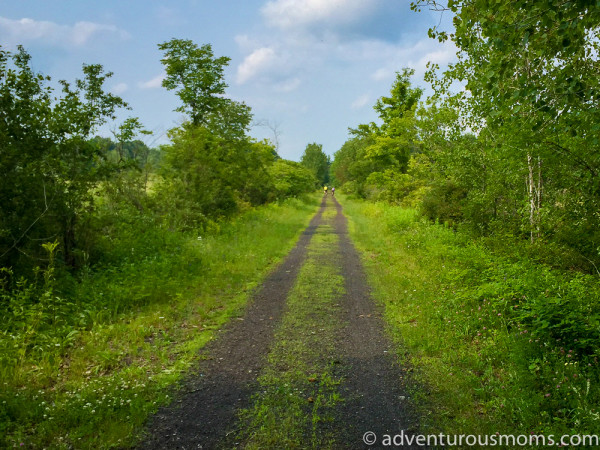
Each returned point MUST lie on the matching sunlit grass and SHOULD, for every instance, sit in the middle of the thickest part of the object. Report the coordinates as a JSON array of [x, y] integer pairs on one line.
[[453, 309], [98, 390]]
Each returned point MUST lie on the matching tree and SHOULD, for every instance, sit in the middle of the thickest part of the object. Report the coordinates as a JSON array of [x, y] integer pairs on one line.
[[533, 97], [402, 101], [290, 179], [197, 77], [47, 160], [372, 161], [317, 162]]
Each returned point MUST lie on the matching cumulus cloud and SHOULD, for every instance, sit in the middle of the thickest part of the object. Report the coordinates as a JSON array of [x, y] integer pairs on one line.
[[360, 102], [392, 57], [28, 30], [154, 83], [288, 85], [286, 14], [120, 88], [256, 62]]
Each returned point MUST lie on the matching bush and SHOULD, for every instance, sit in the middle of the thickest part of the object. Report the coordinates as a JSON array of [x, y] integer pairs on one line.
[[444, 202], [290, 179]]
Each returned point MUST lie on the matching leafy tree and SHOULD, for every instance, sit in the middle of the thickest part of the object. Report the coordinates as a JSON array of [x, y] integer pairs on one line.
[[206, 176], [532, 96], [291, 179], [197, 77], [317, 162], [402, 101], [371, 163], [48, 163]]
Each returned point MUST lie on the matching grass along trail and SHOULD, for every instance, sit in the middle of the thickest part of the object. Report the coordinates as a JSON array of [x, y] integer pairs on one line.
[[308, 366], [224, 379], [99, 391]]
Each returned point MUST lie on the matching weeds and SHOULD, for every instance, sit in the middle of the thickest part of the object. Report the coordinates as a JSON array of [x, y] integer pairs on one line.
[[504, 344], [85, 366]]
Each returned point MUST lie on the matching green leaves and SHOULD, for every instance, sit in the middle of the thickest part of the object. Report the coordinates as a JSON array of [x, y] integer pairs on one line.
[[315, 160], [47, 161], [197, 77]]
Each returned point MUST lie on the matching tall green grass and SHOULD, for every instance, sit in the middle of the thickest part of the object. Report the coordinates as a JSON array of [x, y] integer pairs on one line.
[[499, 342], [84, 365]]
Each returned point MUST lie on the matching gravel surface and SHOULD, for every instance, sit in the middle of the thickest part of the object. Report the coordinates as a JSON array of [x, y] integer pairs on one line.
[[204, 411], [375, 394]]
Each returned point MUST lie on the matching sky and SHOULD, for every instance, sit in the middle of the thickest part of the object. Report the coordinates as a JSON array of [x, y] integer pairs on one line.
[[309, 69]]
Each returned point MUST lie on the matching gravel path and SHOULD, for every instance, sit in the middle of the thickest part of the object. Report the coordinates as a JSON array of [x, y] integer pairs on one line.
[[204, 411], [376, 398]]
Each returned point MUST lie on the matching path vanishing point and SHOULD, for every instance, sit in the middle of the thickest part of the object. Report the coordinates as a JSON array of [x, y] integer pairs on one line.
[[348, 343]]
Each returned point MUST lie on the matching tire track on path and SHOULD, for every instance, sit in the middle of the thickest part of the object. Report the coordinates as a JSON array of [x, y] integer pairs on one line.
[[204, 411], [373, 389]]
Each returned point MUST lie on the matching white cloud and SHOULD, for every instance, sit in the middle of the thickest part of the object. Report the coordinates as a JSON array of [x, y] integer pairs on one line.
[[391, 58], [120, 88], [288, 14], [288, 85], [360, 102], [382, 74], [28, 30], [258, 61], [154, 83]]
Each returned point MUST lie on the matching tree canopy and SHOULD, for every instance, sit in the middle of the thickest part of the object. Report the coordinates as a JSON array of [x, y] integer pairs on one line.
[[317, 162]]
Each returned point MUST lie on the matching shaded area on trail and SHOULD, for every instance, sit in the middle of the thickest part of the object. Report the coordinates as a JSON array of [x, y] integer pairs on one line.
[[204, 411]]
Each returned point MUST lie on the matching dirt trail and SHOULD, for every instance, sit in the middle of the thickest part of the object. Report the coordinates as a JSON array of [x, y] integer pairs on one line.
[[221, 384], [374, 399], [374, 393]]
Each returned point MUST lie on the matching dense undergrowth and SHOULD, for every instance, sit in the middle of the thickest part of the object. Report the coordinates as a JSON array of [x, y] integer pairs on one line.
[[501, 343], [84, 360]]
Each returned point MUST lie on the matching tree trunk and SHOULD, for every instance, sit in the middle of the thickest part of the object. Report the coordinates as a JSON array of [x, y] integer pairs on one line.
[[534, 194]]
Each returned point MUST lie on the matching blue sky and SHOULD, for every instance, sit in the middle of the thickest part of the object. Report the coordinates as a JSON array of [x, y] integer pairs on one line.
[[309, 69]]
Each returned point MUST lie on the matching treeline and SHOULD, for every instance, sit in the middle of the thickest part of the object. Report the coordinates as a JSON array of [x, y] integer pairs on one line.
[[75, 207], [514, 149], [56, 174], [505, 156]]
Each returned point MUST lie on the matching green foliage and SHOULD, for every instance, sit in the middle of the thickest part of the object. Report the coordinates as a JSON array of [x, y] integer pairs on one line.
[[205, 176], [402, 102], [290, 179], [444, 202], [83, 364], [49, 166], [196, 75], [531, 95], [315, 160], [501, 341], [374, 162]]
